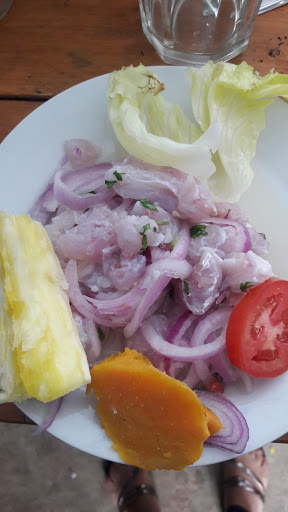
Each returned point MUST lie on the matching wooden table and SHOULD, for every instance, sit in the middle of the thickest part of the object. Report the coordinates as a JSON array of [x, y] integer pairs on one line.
[[47, 46]]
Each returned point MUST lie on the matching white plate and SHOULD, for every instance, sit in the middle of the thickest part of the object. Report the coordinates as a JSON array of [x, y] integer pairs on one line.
[[28, 157]]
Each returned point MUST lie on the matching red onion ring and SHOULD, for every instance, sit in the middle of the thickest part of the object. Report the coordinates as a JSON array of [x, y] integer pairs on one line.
[[165, 275], [156, 279], [191, 379], [179, 328], [176, 333], [235, 433], [202, 371], [41, 210], [222, 365], [49, 416], [180, 353], [81, 303], [75, 201], [209, 324], [247, 245], [92, 333]]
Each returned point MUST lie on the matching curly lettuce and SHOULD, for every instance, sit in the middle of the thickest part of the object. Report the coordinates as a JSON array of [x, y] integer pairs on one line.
[[236, 97], [152, 130], [228, 104]]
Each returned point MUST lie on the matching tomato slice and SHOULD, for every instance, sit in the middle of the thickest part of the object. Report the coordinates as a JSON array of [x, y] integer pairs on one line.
[[257, 332]]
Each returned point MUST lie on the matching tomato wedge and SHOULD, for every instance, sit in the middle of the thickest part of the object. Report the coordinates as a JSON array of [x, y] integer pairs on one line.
[[257, 332]]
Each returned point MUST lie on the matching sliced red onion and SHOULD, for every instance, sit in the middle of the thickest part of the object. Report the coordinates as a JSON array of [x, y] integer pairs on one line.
[[191, 379], [177, 332], [81, 152], [87, 179], [235, 433], [147, 254], [39, 210], [182, 245], [202, 371], [81, 302], [222, 365], [247, 244], [50, 415], [179, 328], [93, 336], [162, 273], [221, 297], [180, 353], [74, 200], [116, 306], [170, 368], [216, 320], [157, 277], [241, 229]]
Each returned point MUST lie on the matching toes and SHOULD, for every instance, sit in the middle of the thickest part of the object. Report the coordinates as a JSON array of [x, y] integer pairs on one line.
[[258, 454], [260, 457]]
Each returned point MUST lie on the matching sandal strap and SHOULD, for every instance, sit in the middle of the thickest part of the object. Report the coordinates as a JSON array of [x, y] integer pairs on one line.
[[127, 498], [237, 481], [252, 475]]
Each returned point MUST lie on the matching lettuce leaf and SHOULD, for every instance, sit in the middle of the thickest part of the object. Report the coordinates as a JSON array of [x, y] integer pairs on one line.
[[152, 130], [228, 104], [236, 97]]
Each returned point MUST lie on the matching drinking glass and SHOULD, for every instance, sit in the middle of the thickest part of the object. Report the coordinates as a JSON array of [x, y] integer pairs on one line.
[[195, 31], [4, 7]]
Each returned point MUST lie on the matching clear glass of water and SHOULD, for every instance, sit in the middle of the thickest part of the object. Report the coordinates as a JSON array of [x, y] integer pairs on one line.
[[195, 31], [4, 7]]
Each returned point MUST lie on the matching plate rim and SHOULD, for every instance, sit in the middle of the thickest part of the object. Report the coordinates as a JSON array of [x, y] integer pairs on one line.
[[44, 106]]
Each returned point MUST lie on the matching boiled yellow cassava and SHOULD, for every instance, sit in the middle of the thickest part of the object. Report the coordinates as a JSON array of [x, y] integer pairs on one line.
[[41, 355]]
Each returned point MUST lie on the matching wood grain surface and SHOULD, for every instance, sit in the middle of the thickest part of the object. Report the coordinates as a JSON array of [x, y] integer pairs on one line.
[[9, 413], [47, 46], [12, 112]]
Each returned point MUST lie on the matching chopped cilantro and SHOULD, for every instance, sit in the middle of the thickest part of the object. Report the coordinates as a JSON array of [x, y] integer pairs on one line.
[[244, 286], [198, 230], [101, 334], [144, 237], [119, 175], [144, 228], [148, 205], [110, 184], [186, 287], [155, 230], [144, 243]]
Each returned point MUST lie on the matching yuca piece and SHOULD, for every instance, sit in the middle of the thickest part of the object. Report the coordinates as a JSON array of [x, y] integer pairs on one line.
[[41, 355], [154, 421]]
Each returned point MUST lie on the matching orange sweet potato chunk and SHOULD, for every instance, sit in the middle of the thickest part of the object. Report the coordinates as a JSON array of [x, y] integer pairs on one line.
[[154, 421], [213, 422]]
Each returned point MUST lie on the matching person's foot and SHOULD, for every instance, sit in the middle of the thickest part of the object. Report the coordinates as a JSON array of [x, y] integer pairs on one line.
[[131, 488], [245, 482]]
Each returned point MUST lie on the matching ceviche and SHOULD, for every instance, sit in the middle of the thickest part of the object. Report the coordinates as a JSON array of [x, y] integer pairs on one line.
[[168, 283], [154, 264]]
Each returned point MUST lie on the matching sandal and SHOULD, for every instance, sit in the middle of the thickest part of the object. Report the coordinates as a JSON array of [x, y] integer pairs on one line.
[[128, 484], [245, 478]]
